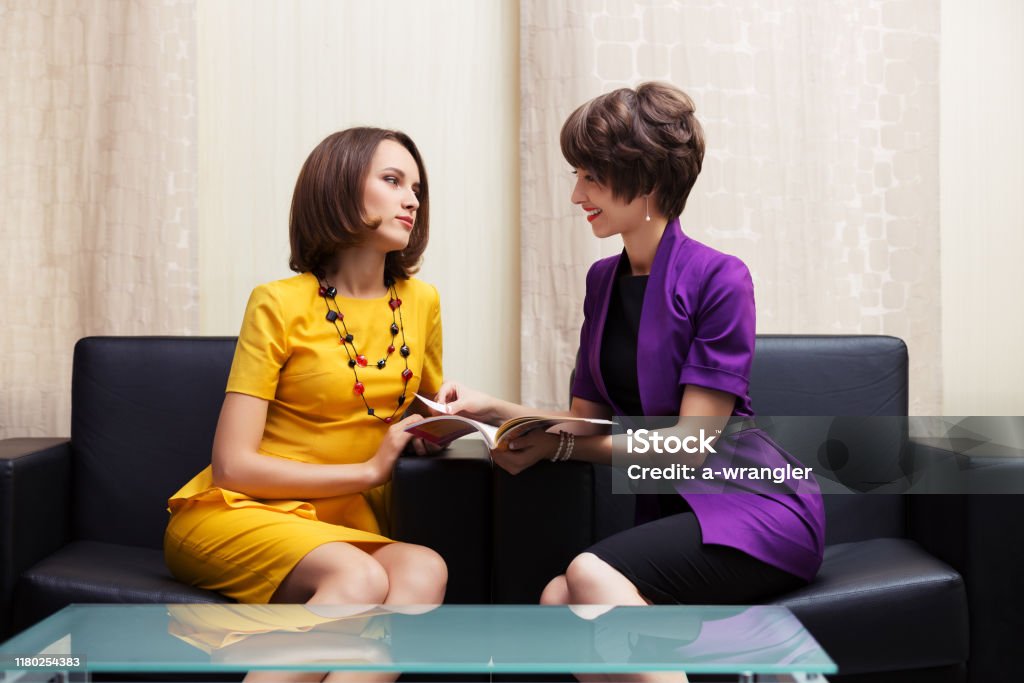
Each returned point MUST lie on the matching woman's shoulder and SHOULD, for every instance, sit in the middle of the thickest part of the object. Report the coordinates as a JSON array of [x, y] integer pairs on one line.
[[415, 288], [286, 288], [702, 263], [284, 299]]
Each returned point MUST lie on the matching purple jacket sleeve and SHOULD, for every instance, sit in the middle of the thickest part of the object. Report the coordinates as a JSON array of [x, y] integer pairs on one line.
[[722, 351]]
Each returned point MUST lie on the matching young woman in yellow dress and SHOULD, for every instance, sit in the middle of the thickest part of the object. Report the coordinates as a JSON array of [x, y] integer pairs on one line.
[[292, 508]]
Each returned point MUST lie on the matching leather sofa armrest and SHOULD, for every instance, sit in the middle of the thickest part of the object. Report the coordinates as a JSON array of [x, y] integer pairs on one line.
[[981, 534], [961, 465], [936, 515], [959, 491], [35, 502], [444, 502]]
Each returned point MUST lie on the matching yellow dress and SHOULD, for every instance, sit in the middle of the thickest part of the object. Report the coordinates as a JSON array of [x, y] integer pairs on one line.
[[290, 355]]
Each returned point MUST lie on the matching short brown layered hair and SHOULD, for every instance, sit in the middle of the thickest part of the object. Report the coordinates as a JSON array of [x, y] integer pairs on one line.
[[327, 212], [639, 141]]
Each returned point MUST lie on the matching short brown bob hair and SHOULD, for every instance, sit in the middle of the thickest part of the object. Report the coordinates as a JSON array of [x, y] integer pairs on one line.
[[327, 206], [639, 141]]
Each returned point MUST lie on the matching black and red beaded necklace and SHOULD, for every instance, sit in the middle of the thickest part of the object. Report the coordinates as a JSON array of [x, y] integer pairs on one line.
[[347, 340]]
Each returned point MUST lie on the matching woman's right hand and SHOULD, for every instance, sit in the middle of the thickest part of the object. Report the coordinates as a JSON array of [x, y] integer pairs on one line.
[[395, 441], [461, 400]]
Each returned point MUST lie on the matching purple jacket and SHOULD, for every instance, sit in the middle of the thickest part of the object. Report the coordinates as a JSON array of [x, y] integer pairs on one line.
[[697, 327]]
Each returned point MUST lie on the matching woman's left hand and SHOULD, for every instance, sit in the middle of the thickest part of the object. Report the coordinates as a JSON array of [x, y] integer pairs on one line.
[[526, 450]]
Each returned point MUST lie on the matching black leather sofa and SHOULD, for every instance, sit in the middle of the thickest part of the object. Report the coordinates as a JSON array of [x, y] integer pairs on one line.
[[914, 588], [884, 605]]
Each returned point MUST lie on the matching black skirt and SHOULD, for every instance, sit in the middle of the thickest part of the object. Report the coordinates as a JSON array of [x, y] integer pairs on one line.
[[668, 562]]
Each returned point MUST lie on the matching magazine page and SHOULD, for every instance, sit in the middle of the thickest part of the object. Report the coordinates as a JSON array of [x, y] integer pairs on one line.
[[443, 429]]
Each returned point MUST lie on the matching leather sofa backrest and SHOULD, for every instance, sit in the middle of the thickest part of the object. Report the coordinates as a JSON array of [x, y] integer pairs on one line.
[[829, 375], [144, 410], [143, 414], [847, 377]]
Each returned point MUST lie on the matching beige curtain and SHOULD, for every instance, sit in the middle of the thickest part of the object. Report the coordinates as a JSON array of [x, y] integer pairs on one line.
[[821, 171], [98, 189]]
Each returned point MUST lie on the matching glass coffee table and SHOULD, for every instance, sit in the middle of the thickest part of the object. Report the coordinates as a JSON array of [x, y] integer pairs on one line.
[[84, 642]]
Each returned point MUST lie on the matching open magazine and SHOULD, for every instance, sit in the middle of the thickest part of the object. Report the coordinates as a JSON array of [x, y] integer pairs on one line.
[[443, 429]]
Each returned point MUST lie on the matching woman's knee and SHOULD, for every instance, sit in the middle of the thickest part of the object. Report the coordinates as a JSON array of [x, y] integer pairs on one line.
[[432, 565], [337, 573], [415, 571], [591, 579], [363, 581], [586, 569], [419, 561], [556, 592]]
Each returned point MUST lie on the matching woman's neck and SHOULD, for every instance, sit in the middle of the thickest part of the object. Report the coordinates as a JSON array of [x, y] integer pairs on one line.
[[642, 244], [357, 273]]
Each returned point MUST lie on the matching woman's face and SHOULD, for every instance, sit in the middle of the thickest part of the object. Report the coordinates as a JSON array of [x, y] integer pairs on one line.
[[607, 214], [391, 194]]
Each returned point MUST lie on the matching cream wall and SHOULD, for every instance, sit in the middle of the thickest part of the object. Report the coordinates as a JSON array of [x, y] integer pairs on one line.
[[277, 77], [982, 207]]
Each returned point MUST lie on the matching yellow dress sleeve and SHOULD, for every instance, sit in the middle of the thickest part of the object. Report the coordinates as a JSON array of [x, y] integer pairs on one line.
[[262, 348], [433, 374]]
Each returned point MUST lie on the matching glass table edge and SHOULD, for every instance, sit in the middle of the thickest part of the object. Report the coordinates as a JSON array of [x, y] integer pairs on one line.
[[817, 670]]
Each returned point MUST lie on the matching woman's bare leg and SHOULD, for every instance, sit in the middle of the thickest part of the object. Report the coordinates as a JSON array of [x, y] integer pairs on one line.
[[589, 580], [592, 581], [556, 592], [416, 574], [332, 574]]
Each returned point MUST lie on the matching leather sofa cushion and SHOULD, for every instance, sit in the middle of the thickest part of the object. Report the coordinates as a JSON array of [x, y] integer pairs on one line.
[[88, 571], [884, 605]]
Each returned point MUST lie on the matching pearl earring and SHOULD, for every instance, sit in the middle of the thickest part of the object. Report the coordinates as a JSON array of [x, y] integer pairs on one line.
[[647, 209]]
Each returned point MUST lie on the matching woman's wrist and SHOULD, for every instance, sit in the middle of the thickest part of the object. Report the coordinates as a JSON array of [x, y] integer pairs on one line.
[[370, 474], [596, 448], [497, 412]]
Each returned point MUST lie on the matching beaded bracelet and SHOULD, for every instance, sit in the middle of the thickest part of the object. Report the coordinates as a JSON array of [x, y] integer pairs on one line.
[[566, 442], [569, 447], [561, 446]]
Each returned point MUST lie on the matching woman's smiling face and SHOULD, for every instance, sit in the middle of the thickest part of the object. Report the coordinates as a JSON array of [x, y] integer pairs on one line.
[[608, 215]]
